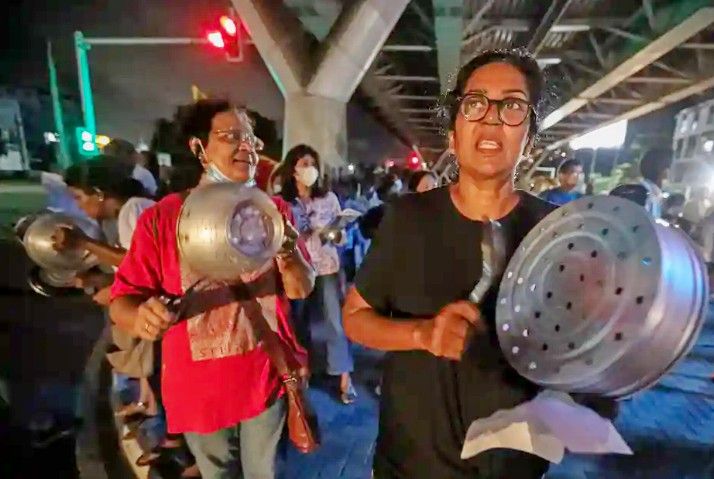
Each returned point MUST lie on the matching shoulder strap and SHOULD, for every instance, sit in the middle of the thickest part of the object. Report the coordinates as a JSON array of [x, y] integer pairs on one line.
[[272, 343]]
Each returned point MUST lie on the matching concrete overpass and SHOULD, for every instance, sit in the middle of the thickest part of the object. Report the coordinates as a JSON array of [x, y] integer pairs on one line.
[[607, 59]]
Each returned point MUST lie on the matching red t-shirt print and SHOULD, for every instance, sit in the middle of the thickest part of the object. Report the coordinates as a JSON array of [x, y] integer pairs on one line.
[[214, 374]]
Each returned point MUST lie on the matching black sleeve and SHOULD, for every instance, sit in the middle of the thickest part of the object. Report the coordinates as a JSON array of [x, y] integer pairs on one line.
[[375, 278]]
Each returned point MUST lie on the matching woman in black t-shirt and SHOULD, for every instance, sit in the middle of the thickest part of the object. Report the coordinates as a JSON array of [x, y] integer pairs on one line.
[[445, 368]]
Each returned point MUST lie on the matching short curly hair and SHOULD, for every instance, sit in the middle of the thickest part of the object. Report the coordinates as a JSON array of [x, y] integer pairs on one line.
[[195, 119]]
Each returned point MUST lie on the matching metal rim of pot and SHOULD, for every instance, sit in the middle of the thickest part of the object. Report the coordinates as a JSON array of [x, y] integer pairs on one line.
[[37, 241], [601, 299]]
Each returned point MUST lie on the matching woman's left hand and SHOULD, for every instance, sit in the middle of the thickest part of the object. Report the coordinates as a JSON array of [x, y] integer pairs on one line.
[[67, 237]]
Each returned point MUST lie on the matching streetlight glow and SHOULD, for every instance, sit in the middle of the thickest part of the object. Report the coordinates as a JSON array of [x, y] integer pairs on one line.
[[610, 136]]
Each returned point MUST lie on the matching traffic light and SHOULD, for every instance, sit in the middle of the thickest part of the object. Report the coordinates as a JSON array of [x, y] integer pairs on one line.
[[86, 142], [225, 35], [414, 162]]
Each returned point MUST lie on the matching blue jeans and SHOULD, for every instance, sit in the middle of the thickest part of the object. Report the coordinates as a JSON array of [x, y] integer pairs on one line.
[[246, 450], [323, 306]]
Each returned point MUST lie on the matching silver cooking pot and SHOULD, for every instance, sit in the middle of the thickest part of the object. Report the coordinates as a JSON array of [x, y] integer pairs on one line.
[[599, 298], [225, 230], [56, 269]]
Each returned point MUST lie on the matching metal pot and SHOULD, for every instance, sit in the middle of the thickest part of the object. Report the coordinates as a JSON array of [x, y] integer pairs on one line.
[[225, 230], [57, 269], [599, 298]]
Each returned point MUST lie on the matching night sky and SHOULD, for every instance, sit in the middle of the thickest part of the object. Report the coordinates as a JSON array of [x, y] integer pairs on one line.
[[133, 86]]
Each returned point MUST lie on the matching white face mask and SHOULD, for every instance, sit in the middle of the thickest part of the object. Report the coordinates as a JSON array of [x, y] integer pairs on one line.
[[307, 175], [215, 175]]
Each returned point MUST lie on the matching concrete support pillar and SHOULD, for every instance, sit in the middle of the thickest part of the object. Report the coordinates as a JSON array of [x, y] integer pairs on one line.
[[318, 86], [319, 122], [448, 26]]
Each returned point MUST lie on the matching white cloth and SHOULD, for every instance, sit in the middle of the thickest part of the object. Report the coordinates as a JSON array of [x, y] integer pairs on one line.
[[128, 215], [545, 426], [147, 180]]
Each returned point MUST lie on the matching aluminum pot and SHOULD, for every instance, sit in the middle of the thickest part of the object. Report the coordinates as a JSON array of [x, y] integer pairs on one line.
[[57, 269], [599, 298], [226, 229]]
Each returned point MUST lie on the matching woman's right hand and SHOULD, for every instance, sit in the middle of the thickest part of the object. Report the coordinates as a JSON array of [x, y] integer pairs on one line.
[[66, 237], [153, 319], [447, 334]]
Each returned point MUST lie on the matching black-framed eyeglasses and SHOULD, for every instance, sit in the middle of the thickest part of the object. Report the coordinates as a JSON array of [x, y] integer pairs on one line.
[[511, 111]]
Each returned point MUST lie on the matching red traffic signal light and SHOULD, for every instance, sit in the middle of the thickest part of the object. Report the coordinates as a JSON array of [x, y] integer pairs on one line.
[[413, 162], [216, 39], [228, 25], [225, 35]]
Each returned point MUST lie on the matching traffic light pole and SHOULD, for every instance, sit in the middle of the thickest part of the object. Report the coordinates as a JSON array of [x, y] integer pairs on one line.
[[82, 44], [63, 141], [85, 87]]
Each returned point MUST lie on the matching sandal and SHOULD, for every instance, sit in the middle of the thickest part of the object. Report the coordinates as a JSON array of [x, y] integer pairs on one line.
[[132, 409], [147, 458]]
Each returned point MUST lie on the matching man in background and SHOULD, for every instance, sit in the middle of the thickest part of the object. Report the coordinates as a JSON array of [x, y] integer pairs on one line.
[[126, 152], [569, 173], [647, 192]]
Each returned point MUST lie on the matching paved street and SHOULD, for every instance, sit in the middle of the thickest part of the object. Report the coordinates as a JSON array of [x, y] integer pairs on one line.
[[670, 428]]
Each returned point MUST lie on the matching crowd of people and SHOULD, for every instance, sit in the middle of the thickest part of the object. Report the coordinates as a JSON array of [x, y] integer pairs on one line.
[[395, 280]]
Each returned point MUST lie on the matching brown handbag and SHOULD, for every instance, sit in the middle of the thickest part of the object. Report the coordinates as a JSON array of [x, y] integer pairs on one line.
[[302, 422]]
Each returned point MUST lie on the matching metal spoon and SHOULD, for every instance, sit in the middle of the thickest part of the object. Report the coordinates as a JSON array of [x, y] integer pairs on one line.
[[493, 254]]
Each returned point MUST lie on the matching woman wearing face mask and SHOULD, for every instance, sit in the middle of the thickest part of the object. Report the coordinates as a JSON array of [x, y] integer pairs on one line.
[[410, 296], [314, 209]]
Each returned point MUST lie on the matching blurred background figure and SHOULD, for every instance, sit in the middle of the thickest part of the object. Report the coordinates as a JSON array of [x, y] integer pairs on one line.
[[647, 192], [698, 205], [314, 209], [125, 152], [387, 189], [570, 173], [673, 207]]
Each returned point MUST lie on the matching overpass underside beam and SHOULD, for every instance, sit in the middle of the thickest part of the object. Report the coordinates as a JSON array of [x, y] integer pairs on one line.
[[317, 86]]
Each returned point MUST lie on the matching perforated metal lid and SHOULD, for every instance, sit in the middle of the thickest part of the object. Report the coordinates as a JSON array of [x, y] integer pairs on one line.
[[599, 298]]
